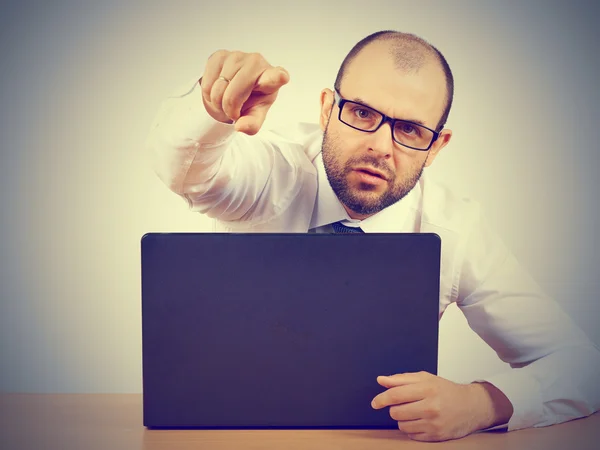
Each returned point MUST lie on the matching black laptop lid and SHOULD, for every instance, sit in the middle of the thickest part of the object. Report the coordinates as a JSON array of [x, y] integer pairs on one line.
[[283, 330]]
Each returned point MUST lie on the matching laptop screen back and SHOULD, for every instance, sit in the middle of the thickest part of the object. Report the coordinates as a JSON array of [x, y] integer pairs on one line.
[[283, 330]]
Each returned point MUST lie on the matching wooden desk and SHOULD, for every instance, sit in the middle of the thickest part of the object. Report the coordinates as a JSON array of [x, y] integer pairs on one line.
[[114, 422]]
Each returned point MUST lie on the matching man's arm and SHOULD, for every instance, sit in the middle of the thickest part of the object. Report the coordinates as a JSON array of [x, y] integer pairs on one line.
[[198, 154], [555, 367]]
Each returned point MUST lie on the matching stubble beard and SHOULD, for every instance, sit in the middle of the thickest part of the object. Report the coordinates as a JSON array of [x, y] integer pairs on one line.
[[360, 200]]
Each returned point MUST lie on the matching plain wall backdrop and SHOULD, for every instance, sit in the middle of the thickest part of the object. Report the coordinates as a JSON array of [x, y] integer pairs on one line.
[[82, 82]]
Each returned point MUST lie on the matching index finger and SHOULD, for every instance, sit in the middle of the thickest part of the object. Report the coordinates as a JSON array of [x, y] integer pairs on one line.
[[262, 80], [272, 79], [398, 395]]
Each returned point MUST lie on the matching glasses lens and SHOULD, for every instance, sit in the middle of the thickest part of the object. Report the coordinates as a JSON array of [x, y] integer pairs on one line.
[[360, 116], [412, 135]]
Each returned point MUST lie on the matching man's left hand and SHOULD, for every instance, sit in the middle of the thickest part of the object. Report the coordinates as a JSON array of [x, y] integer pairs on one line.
[[431, 408]]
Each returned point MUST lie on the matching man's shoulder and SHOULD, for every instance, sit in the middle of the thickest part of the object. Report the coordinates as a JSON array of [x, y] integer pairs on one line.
[[444, 207]]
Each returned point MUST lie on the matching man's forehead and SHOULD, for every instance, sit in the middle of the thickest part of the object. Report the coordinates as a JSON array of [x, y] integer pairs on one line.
[[414, 95]]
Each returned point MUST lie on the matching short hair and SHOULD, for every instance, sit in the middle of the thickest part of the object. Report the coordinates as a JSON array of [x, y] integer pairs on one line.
[[410, 53]]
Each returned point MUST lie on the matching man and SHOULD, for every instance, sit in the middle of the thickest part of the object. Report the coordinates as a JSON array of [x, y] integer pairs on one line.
[[362, 170]]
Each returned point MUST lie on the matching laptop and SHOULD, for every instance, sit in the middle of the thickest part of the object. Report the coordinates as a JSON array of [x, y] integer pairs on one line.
[[283, 330]]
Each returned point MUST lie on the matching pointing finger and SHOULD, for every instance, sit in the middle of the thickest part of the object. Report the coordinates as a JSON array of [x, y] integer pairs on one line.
[[251, 122], [272, 79], [254, 112]]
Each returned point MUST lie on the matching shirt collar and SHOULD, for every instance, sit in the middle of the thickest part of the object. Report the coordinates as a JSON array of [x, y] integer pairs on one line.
[[398, 217], [328, 208]]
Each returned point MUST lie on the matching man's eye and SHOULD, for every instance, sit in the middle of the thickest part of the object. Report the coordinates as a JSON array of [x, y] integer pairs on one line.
[[362, 113], [407, 128]]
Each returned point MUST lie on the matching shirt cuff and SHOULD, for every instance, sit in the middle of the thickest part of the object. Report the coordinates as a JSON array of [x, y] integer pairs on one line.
[[524, 392], [192, 121]]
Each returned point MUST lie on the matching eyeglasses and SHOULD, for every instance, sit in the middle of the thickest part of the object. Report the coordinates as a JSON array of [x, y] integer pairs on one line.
[[364, 118]]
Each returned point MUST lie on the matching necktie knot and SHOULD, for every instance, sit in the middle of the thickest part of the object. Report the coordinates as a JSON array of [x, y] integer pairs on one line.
[[338, 227]]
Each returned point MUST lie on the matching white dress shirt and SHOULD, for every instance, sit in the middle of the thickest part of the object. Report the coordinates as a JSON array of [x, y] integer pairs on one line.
[[275, 182]]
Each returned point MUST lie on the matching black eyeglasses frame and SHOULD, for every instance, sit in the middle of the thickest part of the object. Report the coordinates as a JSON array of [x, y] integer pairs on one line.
[[341, 101]]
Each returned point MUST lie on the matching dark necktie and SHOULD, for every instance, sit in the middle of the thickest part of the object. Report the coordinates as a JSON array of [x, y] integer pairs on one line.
[[340, 228]]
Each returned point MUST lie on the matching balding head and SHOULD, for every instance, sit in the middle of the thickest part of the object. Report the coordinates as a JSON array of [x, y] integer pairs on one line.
[[409, 53]]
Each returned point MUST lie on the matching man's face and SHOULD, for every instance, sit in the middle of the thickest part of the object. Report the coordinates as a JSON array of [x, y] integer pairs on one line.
[[352, 180], [370, 171]]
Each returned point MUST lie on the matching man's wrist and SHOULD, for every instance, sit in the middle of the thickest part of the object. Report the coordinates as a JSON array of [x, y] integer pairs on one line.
[[493, 407]]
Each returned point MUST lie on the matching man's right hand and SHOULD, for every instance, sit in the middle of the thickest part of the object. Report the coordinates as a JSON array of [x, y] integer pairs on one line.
[[241, 87]]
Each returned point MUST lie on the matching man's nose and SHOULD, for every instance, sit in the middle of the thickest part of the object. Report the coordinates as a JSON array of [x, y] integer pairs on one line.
[[381, 141]]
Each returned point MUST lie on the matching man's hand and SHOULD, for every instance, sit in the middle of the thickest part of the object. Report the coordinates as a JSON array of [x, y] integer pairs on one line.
[[431, 408], [241, 87]]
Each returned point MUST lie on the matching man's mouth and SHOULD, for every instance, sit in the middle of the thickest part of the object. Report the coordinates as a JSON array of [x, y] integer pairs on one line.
[[372, 172]]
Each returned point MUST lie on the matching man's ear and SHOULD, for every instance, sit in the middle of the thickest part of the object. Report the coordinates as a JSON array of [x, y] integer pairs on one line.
[[327, 100], [442, 140]]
